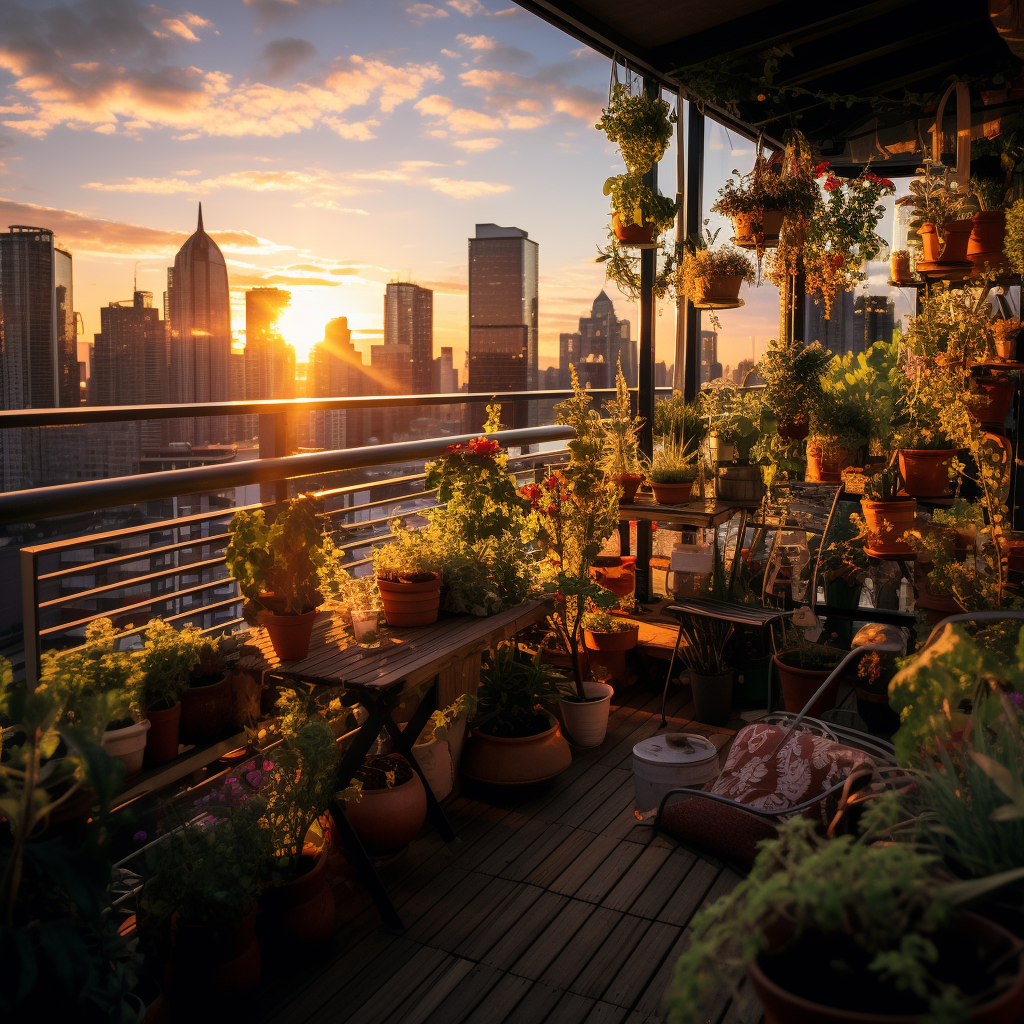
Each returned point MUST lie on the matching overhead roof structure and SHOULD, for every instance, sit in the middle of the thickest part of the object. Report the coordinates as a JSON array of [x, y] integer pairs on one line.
[[861, 79]]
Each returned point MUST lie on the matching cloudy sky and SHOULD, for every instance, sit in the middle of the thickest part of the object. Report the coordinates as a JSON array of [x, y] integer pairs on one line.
[[334, 145]]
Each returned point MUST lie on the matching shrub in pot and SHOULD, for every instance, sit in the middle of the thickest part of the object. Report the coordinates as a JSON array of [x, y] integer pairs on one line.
[[816, 913], [887, 515], [206, 703], [802, 667], [512, 740], [794, 375], [621, 450], [408, 574], [672, 471], [391, 805], [1005, 332], [840, 427], [711, 278], [277, 568], [439, 747], [937, 216]]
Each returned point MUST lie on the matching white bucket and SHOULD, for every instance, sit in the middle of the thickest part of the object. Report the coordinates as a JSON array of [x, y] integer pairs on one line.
[[587, 723], [128, 745], [669, 761]]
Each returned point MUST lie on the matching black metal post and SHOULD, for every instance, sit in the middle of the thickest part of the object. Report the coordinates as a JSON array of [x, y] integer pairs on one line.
[[693, 195], [799, 302]]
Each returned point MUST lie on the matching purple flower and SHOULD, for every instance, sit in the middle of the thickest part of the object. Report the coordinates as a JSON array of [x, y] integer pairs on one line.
[[140, 837], [255, 779], [1017, 698]]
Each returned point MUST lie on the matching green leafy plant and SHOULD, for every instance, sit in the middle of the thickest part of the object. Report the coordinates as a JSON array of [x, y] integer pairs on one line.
[[682, 419], [990, 192], [512, 686], [277, 564], [697, 263], [1014, 240], [414, 554], [794, 378], [674, 462], [935, 201], [761, 189], [885, 485], [168, 659], [640, 125], [442, 720], [603, 622], [332, 576], [839, 422], [637, 203], [736, 417], [866, 379], [622, 268], [620, 452]]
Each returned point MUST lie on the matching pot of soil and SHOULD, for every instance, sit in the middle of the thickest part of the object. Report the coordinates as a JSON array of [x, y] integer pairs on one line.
[[517, 760], [887, 521], [712, 697], [672, 494], [162, 738], [715, 292], [289, 634], [222, 960], [799, 683], [826, 469], [985, 247], [954, 250], [899, 267], [412, 600], [206, 708], [926, 471], [801, 986], [936, 607], [301, 911], [128, 744], [609, 649], [766, 223], [630, 484], [999, 391], [633, 234], [586, 721], [392, 805]]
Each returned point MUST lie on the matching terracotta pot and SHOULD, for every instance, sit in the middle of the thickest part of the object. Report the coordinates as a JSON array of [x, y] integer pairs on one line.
[[1006, 347], [936, 607], [162, 738], [205, 711], [222, 961], [798, 685], [1010, 545], [716, 291], [410, 604], [623, 640], [926, 471], [899, 268], [887, 521], [672, 494], [826, 470], [516, 760], [587, 721], [387, 820], [289, 634], [128, 745], [302, 911], [999, 391], [630, 484], [985, 248], [771, 227], [795, 429], [633, 234], [712, 697], [782, 1007], [957, 234]]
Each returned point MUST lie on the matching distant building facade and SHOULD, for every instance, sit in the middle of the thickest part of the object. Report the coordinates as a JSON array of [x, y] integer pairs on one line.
[[409, 320], [874, 319], [838, 334], [336, 371], [597, 347], [710, 367]]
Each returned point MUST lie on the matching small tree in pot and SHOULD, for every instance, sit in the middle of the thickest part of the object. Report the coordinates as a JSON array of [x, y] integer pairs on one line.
[[621, 451]]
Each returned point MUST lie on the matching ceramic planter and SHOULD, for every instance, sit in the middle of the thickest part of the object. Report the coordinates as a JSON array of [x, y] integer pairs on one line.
[[826, 470], [609, 650], [712, 697], [290, 634], [220, 961], [205, 711], [387, 820], [587, 721], [410, 604], [301, 911], [672, 494], [434, 757], [516, 760], [128, 745], [887, 521], [162, 738], [784, 1007], [985, 247], [954, 250], [999, 391], [770, 222], [926, 471], [799, 685], [630, 484], [633, 234], [715, 292]]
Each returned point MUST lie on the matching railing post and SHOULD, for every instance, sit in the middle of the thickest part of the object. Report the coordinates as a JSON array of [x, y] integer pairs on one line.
[[693, 190], [30, 618], [273, 444]]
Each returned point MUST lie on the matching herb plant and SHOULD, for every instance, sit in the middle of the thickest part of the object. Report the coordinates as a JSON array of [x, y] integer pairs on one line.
[[512, 685], [603, 622], [839, 422], [620, 454], [674, 462], [167, 661], [990, 192]]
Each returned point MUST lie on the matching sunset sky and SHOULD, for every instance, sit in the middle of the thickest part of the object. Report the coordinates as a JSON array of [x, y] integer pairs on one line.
[[333, 146]]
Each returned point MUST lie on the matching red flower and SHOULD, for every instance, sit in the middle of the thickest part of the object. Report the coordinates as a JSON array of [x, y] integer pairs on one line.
[[552, 482], [482, 446], [821, 169], [832, 183], [454, 448], [552, 509]]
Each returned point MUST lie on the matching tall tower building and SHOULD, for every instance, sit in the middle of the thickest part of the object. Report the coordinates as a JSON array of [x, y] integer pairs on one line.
[[503, 324], [269, 359], [874, 318], [336, 371], [200, 341], [839, 332], [602, 341], [409, 320], [710, 367]]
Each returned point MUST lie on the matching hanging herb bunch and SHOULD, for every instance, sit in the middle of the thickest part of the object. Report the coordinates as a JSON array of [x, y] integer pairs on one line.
[[798, 164], [641, 126], [705, 275]]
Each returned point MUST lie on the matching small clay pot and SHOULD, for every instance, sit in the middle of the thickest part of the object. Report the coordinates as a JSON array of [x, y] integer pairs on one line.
[[162, 738], [289, 634], [221, 961], [410, 604], [770, 222], [826, 470], [887, 521], [999, 391], [205, 711], [926, 471], [672, 494], [986, 246], [712, 292], [798, 685], [633, 234], [630, 484]]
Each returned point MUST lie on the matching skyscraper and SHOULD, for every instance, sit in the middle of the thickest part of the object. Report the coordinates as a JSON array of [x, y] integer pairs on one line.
[[503, 323], [838, 333], [710, 367], [597, 347], [200, 342], [874, 317], [409, 320], [336, 371], [269, 359]]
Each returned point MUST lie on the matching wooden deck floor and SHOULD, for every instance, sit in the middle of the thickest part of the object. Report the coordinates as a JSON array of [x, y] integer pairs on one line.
[[552, 908]]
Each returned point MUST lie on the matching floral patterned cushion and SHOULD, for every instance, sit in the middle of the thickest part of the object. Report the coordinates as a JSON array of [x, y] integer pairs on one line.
[[763, 772]]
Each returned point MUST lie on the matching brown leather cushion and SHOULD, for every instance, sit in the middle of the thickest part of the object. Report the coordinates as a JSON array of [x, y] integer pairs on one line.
[[726, 831]]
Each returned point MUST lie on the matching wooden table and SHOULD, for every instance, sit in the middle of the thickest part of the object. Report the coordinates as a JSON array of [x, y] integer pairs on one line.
[[693, 514], [445, 656]]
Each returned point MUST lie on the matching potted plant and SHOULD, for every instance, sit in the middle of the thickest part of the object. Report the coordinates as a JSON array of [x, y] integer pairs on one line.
[[1014, 244], [937, 217], [408, 571], [207, 700], [573, 512], [996, 391], [608, 638], [802, 667], [276, 566], [203, 883], [439, 747], [844, 567], [793, 374], [390, 807], [925, 460], [736, 421], [672, 471], [620, 454], [816, 912], [711, 278], [899, 267], [840, 426], [512, 740], [985, 247], [888, 515], [1005, 332]]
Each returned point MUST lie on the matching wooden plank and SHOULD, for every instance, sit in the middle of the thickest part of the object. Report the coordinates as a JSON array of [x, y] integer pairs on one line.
[[467, 996], [745, 1007], [642, 871], [566, 965], [680, 906], [424, 965], [500, 919], [596, 977], [518, 842], [536, 1006], [490, 898], [560, 859], [596, 798], [433, 994], [523, 864], [609, 872], [572, 1009], [618, 804], [646, 957], [593, 854], [501, 1001], [606, 1013], [515, 943], [447, 907], [562, 931]]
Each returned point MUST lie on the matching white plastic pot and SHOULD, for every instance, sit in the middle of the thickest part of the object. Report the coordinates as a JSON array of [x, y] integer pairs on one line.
[[669, 761], [587, 721], [697, 558], [127, 745], [435, 758]]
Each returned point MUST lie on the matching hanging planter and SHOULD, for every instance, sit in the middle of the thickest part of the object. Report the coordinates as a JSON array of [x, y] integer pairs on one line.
[[711, 278], [758, 229], [642, 236]]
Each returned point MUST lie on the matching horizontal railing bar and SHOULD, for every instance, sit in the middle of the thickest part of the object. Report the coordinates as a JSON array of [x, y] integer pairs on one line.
[[137, 556], [79, 414], [375, 504], [353, 488], [89, 495], [203, 609]]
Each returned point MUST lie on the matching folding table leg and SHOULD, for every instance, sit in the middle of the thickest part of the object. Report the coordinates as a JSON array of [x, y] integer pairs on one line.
[[668, 675]]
